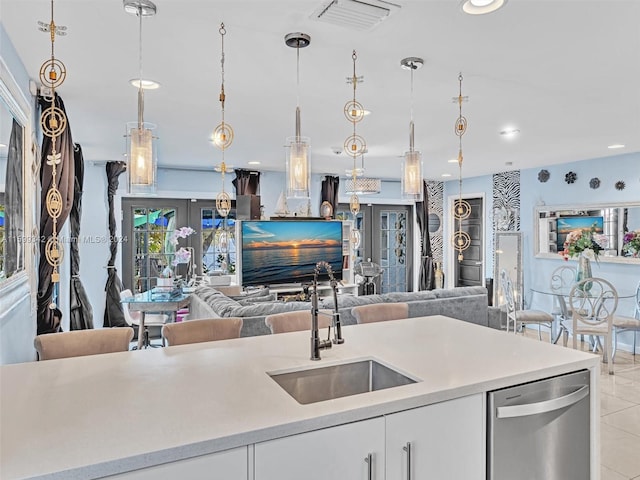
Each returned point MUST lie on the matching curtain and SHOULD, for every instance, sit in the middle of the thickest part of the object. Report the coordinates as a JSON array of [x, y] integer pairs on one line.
[[113, 313], [13, 217], [247, 182], [80, 311], [49, 316], [329, 191], [427, 273]]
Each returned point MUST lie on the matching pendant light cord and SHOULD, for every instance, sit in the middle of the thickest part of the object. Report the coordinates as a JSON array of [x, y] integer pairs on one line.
[[140, 89]]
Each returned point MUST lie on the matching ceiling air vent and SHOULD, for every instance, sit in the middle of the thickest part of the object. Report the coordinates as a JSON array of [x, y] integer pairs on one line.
[[358, 14]]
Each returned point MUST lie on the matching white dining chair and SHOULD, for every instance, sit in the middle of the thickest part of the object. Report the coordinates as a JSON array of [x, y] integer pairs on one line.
[[593, 302], [562, 279], [622, 323], [520, 318]]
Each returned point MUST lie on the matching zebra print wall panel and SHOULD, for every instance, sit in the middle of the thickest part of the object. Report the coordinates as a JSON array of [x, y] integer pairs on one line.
[[436, 206], [506, 201]]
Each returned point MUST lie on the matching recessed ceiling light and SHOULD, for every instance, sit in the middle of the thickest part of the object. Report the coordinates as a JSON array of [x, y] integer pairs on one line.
[[480, 7], [146, 83], [453, 160], [616, 145], [510, 132], [447, 174], [254, 162]]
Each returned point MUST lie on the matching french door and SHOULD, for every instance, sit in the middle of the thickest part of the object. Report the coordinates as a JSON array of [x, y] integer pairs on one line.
[[149, 248], [386, 239]]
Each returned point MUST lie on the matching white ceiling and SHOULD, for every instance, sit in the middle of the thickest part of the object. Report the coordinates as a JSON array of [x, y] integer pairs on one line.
[[564, 72]]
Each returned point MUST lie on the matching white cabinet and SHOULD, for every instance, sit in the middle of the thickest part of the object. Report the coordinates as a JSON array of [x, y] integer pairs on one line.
[[328, 454], [446, 440], [227, 465]]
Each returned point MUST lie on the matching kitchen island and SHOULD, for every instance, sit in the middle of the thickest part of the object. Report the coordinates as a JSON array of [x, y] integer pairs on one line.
[[90, 417]]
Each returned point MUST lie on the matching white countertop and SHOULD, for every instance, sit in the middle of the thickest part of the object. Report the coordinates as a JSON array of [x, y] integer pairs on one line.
[[91, 416]]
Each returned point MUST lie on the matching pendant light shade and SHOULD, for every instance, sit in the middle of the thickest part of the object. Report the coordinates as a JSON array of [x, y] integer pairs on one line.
[[141, 156], [141, 151], [298, 155], [411, 180]]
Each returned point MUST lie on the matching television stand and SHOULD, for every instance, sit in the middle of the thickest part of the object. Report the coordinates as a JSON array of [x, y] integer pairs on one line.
[[323, 290]]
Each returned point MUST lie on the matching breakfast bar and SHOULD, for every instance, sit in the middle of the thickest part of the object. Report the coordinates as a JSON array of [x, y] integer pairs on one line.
[[161, 410]]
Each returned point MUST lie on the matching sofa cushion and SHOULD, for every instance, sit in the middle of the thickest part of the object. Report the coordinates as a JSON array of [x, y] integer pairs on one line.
[[459, 291], [253, 300], [348, 301]]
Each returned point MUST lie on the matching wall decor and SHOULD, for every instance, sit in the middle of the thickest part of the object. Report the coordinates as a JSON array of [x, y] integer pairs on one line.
[[620, 185], [506, 201], [570, 177], [436, 207], [543, 175], [594, 183]]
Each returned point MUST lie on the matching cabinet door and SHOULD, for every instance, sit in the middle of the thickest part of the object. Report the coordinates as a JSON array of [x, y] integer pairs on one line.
[[328, 454], [227, 465], [446, 440]]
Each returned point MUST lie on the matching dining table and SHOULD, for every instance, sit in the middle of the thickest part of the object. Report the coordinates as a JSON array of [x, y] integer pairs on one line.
[[157, 300], [562, 294]]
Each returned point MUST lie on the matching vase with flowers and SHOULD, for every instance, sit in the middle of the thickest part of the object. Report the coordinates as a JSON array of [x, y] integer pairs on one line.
[[182, 255], [631, 243], [586, 245]]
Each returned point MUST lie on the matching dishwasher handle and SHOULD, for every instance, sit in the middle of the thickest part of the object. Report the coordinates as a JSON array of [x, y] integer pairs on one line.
[[543, 407]]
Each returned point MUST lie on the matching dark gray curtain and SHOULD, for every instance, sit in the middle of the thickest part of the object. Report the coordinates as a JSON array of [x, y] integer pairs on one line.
[[427, 273], [329, 191], [80, 311], [113, 313], [13, 217], [247, 182], [48, 319]]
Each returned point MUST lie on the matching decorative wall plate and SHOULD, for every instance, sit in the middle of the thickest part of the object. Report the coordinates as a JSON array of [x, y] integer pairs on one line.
[[543, 175], [594, 182], [570, 177], [620, 185]]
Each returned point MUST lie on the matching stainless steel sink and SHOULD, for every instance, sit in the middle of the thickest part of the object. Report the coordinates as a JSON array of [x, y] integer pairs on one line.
[[342, 380]]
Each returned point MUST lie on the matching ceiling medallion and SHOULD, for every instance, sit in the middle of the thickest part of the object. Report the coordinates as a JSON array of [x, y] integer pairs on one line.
[[543, 175], [570, 177]]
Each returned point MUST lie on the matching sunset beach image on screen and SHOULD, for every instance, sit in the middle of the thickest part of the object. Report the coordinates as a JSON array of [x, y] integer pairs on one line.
[[287, 251]]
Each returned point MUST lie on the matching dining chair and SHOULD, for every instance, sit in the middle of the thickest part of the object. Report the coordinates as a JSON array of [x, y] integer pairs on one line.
[[78, 343], [520, 318], [593, 302], [297, 320], [380, 312], [562, 279], [206, 330], [622, 323], [150, 319]]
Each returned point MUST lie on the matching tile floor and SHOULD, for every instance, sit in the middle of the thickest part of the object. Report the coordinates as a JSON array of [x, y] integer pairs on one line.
[[619, 416]]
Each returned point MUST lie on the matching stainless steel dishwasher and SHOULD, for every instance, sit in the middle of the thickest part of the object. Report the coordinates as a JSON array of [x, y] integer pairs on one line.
[[540, 430]]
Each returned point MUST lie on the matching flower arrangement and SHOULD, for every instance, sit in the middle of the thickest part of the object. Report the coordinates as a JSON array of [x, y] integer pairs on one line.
[[631, 243], [585, 243], [182, 255]]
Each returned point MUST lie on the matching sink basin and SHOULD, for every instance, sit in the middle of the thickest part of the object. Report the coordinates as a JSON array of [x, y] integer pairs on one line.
[[342, 380]]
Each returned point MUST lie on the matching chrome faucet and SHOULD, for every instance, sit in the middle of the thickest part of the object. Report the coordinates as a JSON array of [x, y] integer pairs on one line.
[[316, 343]]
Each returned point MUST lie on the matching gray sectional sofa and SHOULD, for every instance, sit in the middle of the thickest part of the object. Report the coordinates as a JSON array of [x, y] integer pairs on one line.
[[465, 303]]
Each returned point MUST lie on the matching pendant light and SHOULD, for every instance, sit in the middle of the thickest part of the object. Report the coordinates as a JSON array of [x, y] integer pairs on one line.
[[222, 137], [53, 122], [358, 184], [298, 162], [141, 149], [411, 174], [461, 208]]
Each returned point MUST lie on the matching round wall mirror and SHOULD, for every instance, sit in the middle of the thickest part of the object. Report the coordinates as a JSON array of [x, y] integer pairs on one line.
[[433, 223]]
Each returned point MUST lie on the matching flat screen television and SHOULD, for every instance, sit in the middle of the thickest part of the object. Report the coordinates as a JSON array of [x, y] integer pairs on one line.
[[584, 222], [286, 251]]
